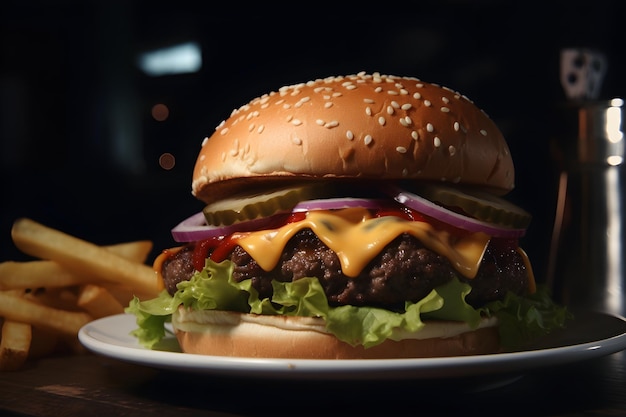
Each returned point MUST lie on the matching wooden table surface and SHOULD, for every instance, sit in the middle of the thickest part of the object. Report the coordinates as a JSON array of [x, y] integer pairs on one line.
[[89, 383]]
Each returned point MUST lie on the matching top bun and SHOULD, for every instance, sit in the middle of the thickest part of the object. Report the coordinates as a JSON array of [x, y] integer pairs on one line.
[[365, 125]]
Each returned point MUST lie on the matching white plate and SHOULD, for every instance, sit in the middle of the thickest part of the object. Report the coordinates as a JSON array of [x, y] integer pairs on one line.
[[591, 336]]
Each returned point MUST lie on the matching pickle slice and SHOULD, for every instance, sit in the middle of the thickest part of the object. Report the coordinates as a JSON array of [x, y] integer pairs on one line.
[[260, 204], [480, 205]]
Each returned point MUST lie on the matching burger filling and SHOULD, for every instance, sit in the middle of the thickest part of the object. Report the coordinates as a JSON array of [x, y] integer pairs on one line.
[[405, 270], [372, 270]]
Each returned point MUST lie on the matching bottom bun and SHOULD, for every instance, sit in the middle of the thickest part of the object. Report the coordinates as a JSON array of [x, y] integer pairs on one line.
[[224, 333]]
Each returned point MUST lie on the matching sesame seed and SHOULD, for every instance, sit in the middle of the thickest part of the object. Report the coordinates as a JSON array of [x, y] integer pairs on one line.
[[437, 142], [419, 85], [445, 110], [395, 104], [445, 100], [406, 106], [328, 105], [483, 132], [403, 122], [392, 92], [261, 129], [427, 103], [456, 126], [401, 149], [287, 106], [319, 122], [368, 100], [408, 120], [381, 120], [378, 89], [390, 110], [429, 127], [297, 141], [296, 122], [367, 139], [415, 135], [368, 111], [224, 131], [417, 96], [205, 140], [331, 124], [251, 127], [405, 172], [302, 101], [451, 150], [350, 135]]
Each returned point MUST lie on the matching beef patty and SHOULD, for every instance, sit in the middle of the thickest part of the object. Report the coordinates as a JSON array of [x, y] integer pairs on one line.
[[404, 271]]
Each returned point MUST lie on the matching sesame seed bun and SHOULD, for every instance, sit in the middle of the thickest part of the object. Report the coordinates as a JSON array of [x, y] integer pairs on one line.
[[356, 126], [225, 333]]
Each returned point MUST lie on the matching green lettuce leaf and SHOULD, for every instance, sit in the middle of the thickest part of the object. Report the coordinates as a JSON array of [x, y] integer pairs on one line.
[[214, 288], [523, 319]]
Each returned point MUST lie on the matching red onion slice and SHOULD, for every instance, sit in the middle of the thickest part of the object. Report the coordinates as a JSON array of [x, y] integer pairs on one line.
[[453, 218], [339, 203], [195, 228]]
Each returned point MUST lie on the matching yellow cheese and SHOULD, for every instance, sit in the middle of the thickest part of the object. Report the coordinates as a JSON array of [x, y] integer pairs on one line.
[[357, 237]]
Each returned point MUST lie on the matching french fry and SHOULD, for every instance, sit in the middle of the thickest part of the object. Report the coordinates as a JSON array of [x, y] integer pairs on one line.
[[36, 274], [39, 273], [65, 298], [45, 302], [82, 257], [98, 302], [124, 293], [136, 251], [14, 345], [16, 308]]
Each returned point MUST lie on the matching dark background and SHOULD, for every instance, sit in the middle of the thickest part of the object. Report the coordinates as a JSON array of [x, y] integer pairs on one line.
[[79, 149]]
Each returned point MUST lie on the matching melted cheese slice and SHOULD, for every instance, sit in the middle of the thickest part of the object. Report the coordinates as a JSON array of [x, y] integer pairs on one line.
[[357, 237]]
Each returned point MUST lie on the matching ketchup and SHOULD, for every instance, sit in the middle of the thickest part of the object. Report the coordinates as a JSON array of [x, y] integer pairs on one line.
[[219, 247]]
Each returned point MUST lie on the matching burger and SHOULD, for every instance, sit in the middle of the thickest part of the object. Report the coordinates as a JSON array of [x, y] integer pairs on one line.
[[351, 217]]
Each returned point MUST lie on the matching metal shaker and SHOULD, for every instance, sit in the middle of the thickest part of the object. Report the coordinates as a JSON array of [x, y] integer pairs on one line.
[[587, 263]]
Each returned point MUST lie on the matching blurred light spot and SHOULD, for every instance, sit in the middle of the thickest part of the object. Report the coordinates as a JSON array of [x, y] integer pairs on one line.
[[167, 161], [613, 125], [178, 59], [160, 112], [615, 160]]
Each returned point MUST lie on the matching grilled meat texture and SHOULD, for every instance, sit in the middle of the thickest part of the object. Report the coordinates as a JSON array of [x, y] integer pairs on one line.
[[404, 271]]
